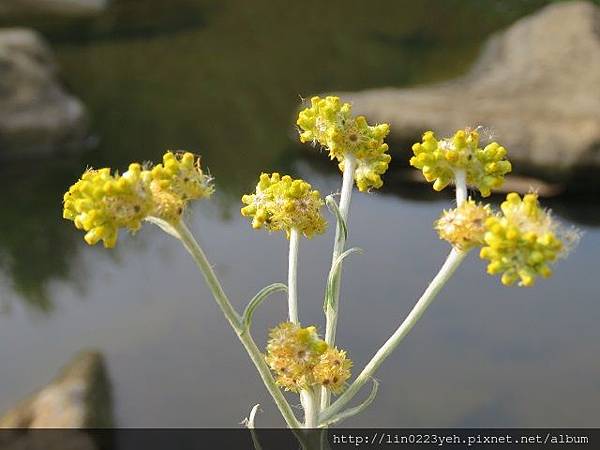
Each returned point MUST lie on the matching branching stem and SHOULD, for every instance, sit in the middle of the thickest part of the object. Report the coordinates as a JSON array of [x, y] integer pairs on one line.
[[192, 246]]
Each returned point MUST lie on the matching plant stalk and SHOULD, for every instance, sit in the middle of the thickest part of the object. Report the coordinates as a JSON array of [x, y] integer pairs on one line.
[[331, 313], [192, 246], [293, 275], [454, 259]]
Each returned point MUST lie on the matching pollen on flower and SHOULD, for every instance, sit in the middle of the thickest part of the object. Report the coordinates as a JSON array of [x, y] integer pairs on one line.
[[330, 123], [100, 203], [300, 359], [464, 227], [440, 159], [282, 203], [524, 240]]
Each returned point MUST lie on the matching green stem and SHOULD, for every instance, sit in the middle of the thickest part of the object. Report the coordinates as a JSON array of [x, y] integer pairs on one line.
[[293, 275], [452, 262], [331, 313], [445, 273], [192, 246]]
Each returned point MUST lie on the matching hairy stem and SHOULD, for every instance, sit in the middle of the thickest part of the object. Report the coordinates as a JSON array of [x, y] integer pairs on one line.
[[461, 186], [192, 246], [311, 408], [454, 259], [331, 313], [293, 275], [452, 262]]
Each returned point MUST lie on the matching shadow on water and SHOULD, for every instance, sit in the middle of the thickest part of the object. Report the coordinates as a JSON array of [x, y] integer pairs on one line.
[[210, 77]]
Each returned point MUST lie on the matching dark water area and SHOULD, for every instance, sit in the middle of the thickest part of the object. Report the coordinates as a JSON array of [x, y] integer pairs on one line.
[[225, 79]]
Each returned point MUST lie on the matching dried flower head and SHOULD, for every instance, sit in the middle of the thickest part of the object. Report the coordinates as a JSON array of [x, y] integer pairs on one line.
[[439, 160], [301, 360], [330, 123], [282, 203], [292, 353], [524, 240], [101, 203], [333, 370], [464, 227]]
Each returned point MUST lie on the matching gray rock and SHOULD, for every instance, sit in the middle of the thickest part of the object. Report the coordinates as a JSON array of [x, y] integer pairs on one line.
[[536, 85], [37, 116], [80, 397], [69, 8]]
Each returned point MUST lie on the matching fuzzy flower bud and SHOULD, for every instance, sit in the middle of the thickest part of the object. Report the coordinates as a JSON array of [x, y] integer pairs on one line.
[[101, 203], [301, 360], [282, 203], [330, 123], [464, 227], [175, 182], [523, 241], [484, 167], [333, 370]]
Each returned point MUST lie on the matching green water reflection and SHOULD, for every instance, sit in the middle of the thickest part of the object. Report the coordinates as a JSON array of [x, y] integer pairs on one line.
[[223, 79]]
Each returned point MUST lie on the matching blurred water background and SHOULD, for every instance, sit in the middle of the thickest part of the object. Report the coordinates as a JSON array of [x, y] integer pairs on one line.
[[225, 79]]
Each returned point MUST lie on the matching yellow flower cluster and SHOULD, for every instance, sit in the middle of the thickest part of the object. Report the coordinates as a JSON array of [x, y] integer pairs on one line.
[[175, 182], [439, 160], [330, 123], [333, 370], [522, 241], [282, 203], [301, 360], [101, 203], [464, 227]]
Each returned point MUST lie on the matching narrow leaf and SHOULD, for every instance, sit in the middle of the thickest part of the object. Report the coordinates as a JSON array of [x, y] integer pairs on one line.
[[334, 275], [257, 300], [352, 411], [333, 207]]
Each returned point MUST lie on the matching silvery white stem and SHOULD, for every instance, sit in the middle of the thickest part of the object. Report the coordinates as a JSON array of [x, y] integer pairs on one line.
[[293, 275], [445, 273]]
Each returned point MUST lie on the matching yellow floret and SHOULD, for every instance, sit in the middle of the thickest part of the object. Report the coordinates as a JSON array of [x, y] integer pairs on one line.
[[282, 203], [439, 160], [330, 123], [524, 241], [464, 226]]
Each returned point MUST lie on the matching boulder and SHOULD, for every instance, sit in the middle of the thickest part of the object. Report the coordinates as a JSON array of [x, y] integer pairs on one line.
[[80, 397], [37, 115], [69, 8], [535, 88]]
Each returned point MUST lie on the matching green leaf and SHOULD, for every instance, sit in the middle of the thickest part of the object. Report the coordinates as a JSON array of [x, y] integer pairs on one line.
[[352, 411], [333, 207], [334, 275], [257, 300]]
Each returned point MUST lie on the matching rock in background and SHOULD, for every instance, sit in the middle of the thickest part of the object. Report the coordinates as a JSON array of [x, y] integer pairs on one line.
[[536, 86], [80, 397], [37, 115]]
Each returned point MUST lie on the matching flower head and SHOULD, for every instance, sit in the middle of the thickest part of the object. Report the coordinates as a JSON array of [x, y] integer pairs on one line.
[[523, 241], [282, 203], [464, 227], [439, 160], [175, 182], [101, 203], [333, 370], [300, 359], [330, 123], [292, 353]]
